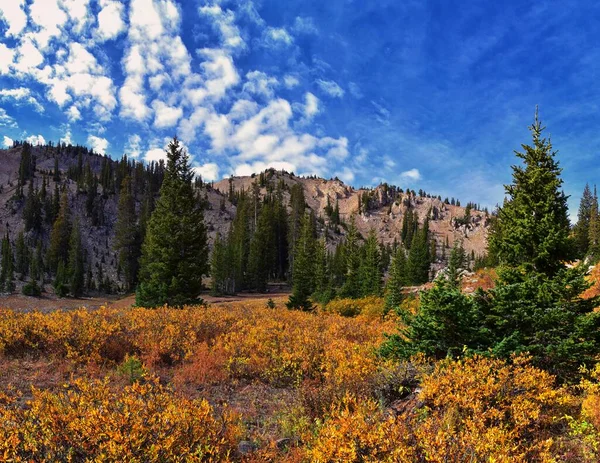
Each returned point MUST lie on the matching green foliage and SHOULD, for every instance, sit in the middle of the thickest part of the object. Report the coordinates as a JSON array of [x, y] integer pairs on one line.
[[397, 280], [304, 263], [175, 252], [456, 262], [582, 228], [370, 267], [132, 369], [419, 258], [533, 224], [61, 232], [529, 311], [352, 287], [60, 284], [32, 289], [75, 270], [127, 237], [447, 321], [7, 270]]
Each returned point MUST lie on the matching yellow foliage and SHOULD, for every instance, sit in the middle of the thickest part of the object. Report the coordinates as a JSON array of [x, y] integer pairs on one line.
[[371, 307], [142, 423]]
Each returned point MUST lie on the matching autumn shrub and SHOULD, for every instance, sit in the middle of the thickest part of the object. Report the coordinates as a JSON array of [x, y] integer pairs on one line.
[[370, 307], [86, 421]]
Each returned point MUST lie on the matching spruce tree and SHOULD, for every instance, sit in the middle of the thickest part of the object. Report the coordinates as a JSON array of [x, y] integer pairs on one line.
[[297, 206], [582, 228], [22, 256], [533, 225], [352, 287], [419, 259], [397, 280], [59, 237], [175, 251], [370, 267], [127, 239], [304, 260], [594, 230], [219, 271], [239, 244], [7, 270], [261, 255], [32, 212], [323, 292], [75, 269]]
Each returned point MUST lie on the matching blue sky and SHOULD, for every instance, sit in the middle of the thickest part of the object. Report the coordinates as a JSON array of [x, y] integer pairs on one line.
[[422, 94]]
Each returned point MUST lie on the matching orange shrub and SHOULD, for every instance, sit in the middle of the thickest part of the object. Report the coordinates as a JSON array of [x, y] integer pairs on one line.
[[88, 422]]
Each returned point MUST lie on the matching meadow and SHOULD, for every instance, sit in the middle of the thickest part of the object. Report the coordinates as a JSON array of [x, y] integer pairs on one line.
[[244, 381]]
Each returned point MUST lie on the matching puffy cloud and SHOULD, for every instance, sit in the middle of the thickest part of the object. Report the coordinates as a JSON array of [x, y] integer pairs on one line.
[[346, 174], [411, 175], [331, 88], [36, 140], [164, 115], [66, 138], [6, 120], [12, 12], [209, 171], [7, 142], [290, 81], [73, 114], [276, 37], [259, 83], [21, 94], [98, 144], [133, 146], [155, 154], [7, 56], [50, 17], [311, 107], [110, 20], [305, 25], [78, 11], [224, 21], [29, 57]]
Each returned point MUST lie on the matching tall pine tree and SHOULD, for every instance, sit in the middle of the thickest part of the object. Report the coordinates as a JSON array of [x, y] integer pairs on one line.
[[175, 251]]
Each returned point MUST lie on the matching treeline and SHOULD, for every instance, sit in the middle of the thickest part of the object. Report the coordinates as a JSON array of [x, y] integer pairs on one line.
[[56, 205]]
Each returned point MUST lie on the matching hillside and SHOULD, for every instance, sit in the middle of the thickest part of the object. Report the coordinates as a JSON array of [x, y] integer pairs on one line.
[[96, 210]]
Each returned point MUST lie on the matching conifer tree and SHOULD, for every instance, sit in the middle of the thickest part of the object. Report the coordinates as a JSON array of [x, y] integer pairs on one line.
[[304, 260], [370, 267], [127, 239], [7, 270], [219, 271], [352, 287], [419, 260], [175, 252], [323, 285], [456, 262], [397, 279], [75, 270], [594, 229], [59, 237], [533, 225], [261, 256], [297, 206], [61, 288], [582, 228], [21, 256], [32, 212], [239, 244]]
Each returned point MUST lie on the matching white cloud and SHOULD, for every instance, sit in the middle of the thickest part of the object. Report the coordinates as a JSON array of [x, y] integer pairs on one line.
[[224, 21], [98, 144], [305, 25], [29, 57], [78, 13], [209, 172], [165, 116], [290, 81], [411, 175], [48, 15], [6, 120], [312, 105], [36, 140], [12, 13], [331, 88], [7, 57], [355, 90], [259, 83], [7, 142], [110, 20], [133, 146], [277, 36], [66, 138], [73, 114], [155, 154], [346, 174], [21, 94]]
